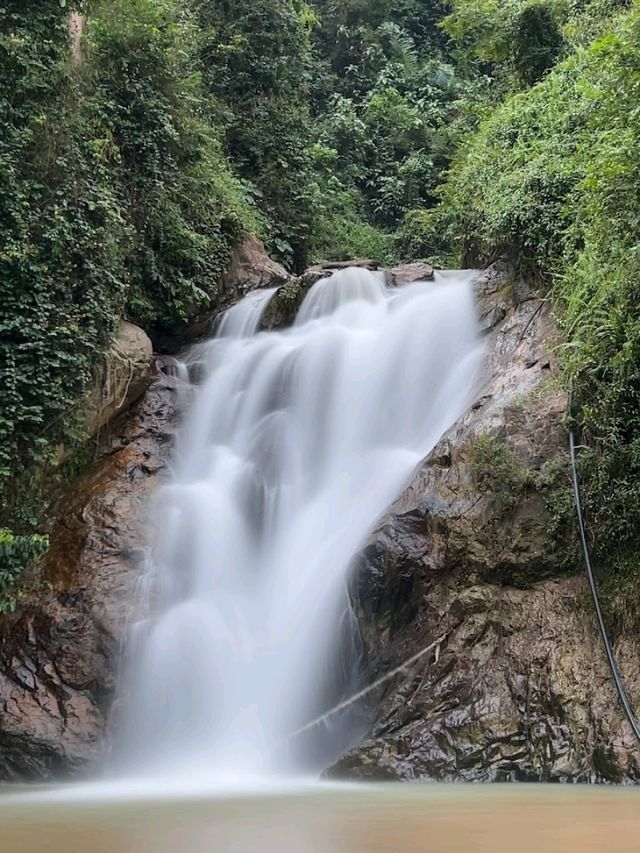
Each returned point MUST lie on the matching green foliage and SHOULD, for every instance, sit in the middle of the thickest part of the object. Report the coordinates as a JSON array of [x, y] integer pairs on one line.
[[16, 554], [184, 209], [114, 197], [256, 62], [60, 248], [515, 42], [552, 176], [386, 101], [497, 472], [341, 230], [424, 234], [509, 191], [538, 42], [397, 129]]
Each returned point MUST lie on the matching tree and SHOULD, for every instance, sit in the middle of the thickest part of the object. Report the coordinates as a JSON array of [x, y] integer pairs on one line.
[[256, 62]]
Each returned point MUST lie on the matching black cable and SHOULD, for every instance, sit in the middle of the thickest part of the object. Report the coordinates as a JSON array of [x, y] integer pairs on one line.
[[615, 672]]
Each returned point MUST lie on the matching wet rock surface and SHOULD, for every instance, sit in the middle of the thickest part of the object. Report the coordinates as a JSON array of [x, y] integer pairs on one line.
[[479, 554], [58, 658]]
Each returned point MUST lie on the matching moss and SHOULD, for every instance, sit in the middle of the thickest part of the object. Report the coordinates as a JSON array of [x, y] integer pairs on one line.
[[538, 392], [497, 472], [284, 306], [553, 481], [620, 598], [606, 764], [80, 461]]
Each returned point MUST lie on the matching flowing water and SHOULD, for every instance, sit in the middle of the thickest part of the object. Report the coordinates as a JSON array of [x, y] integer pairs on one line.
[[295, 443]]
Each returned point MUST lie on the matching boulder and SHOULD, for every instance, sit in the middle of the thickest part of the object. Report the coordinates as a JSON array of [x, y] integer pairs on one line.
[[282, 309], [408, 273], [251, 268], [124, 377]]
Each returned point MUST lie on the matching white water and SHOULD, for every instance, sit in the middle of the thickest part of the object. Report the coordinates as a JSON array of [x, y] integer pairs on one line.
[[296, 442]]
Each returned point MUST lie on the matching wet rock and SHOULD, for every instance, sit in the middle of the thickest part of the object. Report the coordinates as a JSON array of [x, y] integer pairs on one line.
[[251, 268], [480, 549], [517, 691], [408, 273], [58, 658], [282, 309]]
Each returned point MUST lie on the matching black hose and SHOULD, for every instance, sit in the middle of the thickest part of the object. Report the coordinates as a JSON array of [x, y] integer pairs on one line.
[[615, 672]]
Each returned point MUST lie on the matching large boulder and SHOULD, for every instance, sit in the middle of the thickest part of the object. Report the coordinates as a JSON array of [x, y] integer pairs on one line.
[[125, 375], [478, 560], [251, 268], [408, 273]]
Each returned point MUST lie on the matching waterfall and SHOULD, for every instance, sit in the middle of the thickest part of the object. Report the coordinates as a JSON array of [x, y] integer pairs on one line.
[[295, 443]]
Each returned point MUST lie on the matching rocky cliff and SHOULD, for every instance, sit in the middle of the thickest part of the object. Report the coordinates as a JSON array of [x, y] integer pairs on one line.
[[58, 658], [477, 554], [478, 557]]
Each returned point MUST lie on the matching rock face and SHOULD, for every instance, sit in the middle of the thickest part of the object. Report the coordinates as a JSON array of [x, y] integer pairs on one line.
[[251, 268], [58, 658], [125, 376], [473, 557]]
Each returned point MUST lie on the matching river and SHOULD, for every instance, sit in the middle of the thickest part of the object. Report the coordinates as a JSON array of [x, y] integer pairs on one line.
[[314, 818]]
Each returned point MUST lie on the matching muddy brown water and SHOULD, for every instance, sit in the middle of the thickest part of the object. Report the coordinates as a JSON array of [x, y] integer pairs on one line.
[[349, 819]]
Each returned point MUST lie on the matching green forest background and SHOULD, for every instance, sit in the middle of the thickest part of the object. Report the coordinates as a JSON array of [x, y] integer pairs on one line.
[[456, 131]]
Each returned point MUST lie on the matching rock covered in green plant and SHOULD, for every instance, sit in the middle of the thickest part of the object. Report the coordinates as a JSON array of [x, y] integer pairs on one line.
[[551, 176], [17, 553]]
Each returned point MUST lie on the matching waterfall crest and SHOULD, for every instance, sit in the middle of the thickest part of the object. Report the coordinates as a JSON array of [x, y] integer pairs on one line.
[[296, 442]]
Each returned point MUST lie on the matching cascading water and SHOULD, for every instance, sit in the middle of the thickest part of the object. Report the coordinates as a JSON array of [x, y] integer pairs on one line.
[[296, 442]]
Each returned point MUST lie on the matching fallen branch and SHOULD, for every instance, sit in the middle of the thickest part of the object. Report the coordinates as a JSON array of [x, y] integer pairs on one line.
[[365, 692]]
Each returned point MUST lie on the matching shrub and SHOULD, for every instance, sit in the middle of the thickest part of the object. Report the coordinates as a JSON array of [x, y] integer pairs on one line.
[[16, 554], [114, 197]]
